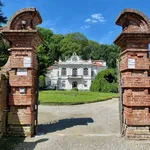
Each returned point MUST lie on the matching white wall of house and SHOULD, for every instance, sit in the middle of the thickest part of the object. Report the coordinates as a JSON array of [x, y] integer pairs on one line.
[[70, 80]]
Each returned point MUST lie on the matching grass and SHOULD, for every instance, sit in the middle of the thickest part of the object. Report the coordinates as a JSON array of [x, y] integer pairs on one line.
[[73, 97]]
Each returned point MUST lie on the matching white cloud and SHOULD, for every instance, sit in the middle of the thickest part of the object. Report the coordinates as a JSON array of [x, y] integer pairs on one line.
[[98, 17], [88, 20], [95, 18], [94, 21], [85, 27], [91, 20]]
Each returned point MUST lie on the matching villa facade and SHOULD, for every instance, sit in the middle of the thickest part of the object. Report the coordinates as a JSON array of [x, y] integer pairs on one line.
[[73, 73]]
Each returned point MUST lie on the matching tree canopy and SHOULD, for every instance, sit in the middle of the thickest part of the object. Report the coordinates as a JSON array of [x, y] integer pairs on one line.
[[3, 43], [3, 19]]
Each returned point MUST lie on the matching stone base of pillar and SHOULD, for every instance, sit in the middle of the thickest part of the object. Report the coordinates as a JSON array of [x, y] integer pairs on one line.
[[139, 133]]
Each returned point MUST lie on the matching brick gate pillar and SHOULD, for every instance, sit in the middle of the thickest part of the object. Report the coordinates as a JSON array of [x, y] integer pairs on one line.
[[22, 67], [135, 72]]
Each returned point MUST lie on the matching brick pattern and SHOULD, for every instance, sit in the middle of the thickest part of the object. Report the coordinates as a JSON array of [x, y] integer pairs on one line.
[[22, 68], [141, 60], [136, 97], [135, 80]]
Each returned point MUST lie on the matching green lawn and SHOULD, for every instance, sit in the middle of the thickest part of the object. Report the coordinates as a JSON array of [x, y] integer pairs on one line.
[[73, 97]]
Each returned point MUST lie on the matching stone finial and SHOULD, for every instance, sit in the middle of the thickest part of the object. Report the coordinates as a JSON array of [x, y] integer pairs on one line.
[[24, 19], [133, 21]]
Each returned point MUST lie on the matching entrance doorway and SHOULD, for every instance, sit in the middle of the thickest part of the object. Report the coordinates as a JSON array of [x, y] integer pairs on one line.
[[74, 84]]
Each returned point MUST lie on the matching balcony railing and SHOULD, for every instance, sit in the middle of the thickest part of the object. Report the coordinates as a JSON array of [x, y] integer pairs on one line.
[[75, 76]]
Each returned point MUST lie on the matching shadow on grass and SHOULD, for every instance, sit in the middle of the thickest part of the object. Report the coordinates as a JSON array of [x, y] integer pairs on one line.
[[63, 124], [13, 143]]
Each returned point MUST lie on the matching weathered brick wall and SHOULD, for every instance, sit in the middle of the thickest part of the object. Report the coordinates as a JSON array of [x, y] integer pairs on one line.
[[135, 72], [3, 101], [20, 31]]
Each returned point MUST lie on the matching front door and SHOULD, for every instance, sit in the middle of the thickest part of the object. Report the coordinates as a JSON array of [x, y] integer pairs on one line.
[[74, 84]]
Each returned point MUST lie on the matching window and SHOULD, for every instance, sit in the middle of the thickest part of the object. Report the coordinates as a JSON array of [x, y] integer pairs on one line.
[[22, 90], [74, 84], [92, 73], [74, 71], [22, 72], [85, 83], [148, 91], [63, 83], [85, 72], [148, 73], [63, 72]]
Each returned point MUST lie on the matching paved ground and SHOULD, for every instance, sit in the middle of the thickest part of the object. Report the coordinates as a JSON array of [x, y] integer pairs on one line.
[[83, 127]]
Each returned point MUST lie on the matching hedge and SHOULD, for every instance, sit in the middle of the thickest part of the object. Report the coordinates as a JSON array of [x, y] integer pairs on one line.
[[105, 81]]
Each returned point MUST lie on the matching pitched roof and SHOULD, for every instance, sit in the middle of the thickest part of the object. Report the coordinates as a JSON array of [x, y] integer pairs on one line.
[[98, 63], [53, 66]]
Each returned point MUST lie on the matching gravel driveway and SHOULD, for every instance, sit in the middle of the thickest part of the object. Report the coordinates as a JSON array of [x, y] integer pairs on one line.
[[92, 126]]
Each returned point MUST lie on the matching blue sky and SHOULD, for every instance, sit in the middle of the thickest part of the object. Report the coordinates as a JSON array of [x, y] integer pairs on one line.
[[93, 18]]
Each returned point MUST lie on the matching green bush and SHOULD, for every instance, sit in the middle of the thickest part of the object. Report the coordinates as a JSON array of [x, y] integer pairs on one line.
[[105, 81], [75, 89], [41, 82]]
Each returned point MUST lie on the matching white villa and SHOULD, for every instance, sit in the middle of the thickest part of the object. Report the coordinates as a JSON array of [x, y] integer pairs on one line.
[[73, 73]]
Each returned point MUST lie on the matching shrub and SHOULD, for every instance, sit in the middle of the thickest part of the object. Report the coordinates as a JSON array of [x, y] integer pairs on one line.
[[41, 82], [75, 89], [105, 81]]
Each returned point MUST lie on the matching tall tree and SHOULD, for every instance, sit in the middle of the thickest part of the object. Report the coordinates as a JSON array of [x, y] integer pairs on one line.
[[3, 43], [43, 50], [3, 19], [90, 49], [108, 53], [54, 47], [73, 42], [45, 33]]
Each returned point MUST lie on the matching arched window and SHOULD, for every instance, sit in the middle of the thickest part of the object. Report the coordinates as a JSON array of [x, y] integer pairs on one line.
[[74, 84], [74, 71], [85, 72], [92, 73], [63, 72]]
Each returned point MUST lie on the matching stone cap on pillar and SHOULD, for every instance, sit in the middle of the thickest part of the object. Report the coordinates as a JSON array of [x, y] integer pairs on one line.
[[132, 20], [22, 28], [24, 19], [135, 27]]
